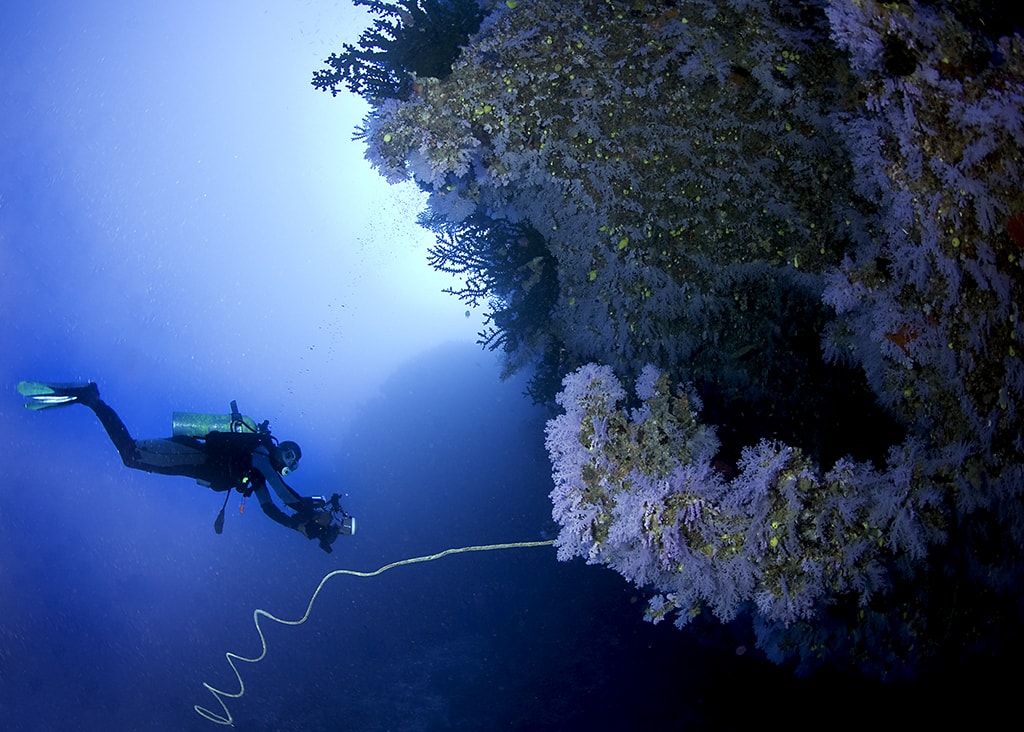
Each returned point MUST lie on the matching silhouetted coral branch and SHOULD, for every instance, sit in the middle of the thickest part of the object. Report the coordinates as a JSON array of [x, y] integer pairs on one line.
[[408, 38]]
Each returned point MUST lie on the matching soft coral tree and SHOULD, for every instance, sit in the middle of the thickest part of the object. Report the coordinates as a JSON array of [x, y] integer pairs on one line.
[[408, 38]]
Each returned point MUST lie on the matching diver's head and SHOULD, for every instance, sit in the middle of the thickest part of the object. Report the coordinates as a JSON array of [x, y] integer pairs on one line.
[[287, 457]]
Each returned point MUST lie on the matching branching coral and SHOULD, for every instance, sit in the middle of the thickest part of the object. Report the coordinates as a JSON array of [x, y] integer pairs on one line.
[[506, 265], [407, 38]]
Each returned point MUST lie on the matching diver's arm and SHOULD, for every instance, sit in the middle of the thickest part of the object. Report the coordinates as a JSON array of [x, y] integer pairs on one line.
[[310, 519], [261, 461], [270, 508], [313, 526]]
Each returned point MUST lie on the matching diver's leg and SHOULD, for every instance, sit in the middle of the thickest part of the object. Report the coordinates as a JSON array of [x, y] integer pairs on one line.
[[173, 456], [43, 395], [116, 430]]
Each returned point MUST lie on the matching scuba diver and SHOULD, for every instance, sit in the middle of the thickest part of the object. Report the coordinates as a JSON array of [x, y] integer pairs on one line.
[[222, 452]]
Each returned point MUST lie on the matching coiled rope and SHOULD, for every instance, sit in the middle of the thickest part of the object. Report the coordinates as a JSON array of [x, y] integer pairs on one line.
[[220, 696]]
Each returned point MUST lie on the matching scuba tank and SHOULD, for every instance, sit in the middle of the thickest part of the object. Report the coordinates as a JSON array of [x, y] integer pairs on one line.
[[195, 424]]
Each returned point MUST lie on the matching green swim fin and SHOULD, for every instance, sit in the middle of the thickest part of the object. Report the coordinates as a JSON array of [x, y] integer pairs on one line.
[[48, 396]]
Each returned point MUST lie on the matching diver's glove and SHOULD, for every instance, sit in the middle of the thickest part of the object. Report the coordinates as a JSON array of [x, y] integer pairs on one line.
[[327, 537], [320, 526]]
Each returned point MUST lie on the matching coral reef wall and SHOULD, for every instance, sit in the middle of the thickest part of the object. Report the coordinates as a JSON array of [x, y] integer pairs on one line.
[[797, 226]]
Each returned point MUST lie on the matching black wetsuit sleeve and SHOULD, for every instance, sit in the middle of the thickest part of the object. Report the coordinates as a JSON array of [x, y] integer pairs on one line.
[[270, 508], [261, 461]]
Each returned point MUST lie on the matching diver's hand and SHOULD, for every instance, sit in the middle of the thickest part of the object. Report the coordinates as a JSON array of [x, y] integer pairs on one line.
[[327, 538], [320, 526]]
